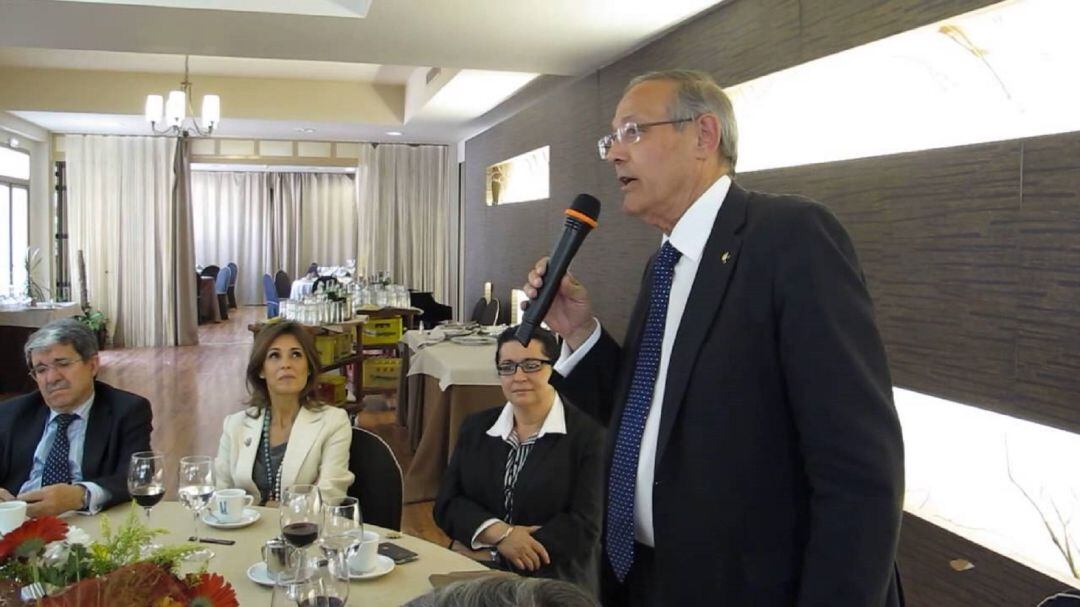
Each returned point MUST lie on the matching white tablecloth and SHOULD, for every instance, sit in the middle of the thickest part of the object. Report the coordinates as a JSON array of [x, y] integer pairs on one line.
[[301, 287], [451, 363], [37, 316]]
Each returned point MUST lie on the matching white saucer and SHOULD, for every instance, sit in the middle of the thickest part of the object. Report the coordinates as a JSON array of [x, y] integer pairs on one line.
[[258, 574], [250, 516], [383, 565]]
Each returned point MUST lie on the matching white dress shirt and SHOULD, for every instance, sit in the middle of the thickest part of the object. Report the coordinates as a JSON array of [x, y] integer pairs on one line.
[[76, 442], [689, 237]]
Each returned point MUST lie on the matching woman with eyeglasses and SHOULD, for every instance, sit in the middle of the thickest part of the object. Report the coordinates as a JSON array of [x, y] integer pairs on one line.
[[523, 489]]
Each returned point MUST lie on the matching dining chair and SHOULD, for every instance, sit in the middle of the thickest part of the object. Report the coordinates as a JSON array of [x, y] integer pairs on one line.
[[212, 271], [478, 310], [491, 313], [221, 287], [283, 284], [270, 293], [378, 479], [234, 270]]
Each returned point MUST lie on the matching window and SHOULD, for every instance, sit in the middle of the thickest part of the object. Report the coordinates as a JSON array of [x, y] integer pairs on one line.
[[519, 179], [14, 218]]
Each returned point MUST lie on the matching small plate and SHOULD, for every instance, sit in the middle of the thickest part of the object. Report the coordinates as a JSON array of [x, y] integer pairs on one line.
[[258, 574], [250, 516], [474, 340], [383, 565]]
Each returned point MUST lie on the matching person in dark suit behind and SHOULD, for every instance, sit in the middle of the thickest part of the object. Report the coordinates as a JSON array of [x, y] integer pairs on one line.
[[68, 445], [755, 454], [522, 490]]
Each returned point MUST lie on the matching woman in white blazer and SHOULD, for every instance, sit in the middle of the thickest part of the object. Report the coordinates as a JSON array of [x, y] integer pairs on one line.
[[284, 437]]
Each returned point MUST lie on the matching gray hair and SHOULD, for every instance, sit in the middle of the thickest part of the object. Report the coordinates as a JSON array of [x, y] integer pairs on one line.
[[696, 93], [67, 332], [508, 591]]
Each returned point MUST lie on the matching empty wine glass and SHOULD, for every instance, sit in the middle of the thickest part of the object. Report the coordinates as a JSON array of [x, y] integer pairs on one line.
[[343, 529], [195, 489], [301, 516]]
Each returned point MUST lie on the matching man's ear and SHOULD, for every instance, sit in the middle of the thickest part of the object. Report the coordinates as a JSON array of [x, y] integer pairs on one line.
[[708, 142]]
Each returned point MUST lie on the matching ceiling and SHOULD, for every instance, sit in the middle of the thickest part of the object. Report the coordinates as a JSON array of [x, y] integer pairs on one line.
[[87, 65]]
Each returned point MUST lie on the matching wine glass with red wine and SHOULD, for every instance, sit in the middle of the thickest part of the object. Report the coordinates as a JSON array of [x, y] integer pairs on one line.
[[146, 482], [301, 516]]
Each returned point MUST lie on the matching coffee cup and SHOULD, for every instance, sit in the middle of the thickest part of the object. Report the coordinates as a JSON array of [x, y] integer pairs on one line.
[[363, 560], [279, 556], [228, 505], [12, 514]]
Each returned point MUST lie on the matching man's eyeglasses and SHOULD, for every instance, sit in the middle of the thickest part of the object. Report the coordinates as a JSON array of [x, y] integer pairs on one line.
[[528, 365], [60, 364], [629, 133]]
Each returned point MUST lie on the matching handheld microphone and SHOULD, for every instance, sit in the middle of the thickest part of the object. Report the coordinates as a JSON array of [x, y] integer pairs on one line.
[[580, 220]]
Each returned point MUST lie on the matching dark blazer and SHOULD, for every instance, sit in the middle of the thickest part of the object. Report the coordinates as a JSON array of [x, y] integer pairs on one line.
[[119, 425], [779, 469], [558, 488]]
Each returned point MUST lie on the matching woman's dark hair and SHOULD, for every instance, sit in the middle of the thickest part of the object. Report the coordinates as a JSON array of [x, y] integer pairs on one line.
[[549, 344], [260, 395]]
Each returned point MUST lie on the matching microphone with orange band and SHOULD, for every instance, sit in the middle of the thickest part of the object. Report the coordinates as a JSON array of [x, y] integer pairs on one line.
[[580, 220]]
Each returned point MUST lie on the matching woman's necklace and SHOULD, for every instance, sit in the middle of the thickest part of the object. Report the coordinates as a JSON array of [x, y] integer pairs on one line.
[[273, 472]]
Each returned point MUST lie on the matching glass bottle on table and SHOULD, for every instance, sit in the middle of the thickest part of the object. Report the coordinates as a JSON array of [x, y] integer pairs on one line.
[[194, 490]]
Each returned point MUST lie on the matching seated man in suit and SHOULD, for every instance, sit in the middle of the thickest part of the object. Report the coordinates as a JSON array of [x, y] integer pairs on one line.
[[68, 445]]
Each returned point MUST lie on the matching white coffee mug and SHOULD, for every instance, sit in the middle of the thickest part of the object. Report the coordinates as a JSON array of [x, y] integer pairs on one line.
[[228, 505], [363, 559], [12, 514]]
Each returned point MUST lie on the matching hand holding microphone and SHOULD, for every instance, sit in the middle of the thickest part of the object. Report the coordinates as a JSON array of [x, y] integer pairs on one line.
[[555, 296]]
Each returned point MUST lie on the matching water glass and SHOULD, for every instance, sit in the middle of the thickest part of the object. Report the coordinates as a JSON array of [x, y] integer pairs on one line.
[[194, 490]]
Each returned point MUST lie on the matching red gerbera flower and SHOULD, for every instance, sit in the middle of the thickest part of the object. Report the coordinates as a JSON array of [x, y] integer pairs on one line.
[[32, 536], [211, 590]]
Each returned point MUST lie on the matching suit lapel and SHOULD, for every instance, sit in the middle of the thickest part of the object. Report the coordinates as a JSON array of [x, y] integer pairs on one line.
[[718, 261], [533, 464], [629, 351], [250, 437], [304, 432], [97, 431]]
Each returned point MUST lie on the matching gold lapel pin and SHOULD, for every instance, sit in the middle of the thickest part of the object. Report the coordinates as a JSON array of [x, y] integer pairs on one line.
[[726, 256]]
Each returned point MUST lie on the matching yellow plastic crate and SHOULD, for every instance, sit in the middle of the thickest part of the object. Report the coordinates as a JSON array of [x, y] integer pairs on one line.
[[330, 388], [344, 344], [382, 372], [382, 331], [327, 347]]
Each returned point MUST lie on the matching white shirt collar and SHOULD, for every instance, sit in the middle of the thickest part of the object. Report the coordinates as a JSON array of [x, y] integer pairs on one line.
[[691, 232], [83, 410], [554, 423]]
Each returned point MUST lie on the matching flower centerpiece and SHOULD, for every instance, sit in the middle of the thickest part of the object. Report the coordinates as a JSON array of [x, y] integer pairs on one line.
[[48, 563]]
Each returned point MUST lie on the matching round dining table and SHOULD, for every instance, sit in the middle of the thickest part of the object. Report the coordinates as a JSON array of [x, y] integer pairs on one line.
[[403, 583]]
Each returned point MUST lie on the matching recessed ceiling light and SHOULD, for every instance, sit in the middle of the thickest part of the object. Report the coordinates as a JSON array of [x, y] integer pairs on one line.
[[305, 130], [394, 133]]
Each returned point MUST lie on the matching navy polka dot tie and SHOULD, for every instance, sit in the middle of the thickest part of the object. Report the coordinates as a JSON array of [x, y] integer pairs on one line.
[[619, 539], [57, 467]]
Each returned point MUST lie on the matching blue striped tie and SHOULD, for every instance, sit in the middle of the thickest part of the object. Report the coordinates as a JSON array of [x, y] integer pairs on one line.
[[57, 466], [619, 540]]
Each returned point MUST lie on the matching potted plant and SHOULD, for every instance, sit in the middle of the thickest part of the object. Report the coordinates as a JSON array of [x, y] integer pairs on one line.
[[97, 322], [34, 290]]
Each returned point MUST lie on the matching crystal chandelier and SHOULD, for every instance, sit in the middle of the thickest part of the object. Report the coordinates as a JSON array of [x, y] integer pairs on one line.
[[172, 113]]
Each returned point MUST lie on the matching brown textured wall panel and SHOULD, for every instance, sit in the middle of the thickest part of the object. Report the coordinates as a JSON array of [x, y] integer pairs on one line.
[[995, 581]]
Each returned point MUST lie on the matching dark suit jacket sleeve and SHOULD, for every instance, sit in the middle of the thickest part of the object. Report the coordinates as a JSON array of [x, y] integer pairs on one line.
[[592, 383], [131, 432], [568, 533], [455, 513], [840, 392]]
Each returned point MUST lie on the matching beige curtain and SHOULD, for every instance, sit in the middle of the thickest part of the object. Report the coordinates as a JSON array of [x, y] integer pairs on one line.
[[232, 218], [286, 224], [403, 201], [183, 248], [123, 217], [328, 219]]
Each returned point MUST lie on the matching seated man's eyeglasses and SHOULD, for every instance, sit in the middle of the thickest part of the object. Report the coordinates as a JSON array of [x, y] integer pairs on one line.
[[60, 364], [630, 133], [528, 365]]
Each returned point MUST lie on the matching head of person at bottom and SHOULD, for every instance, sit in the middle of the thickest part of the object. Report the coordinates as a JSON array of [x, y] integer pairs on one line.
[[68, 445], [507, 591]]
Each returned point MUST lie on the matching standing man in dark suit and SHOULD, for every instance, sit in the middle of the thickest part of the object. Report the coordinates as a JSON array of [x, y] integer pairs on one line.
[[68, 445], [754, 455]]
